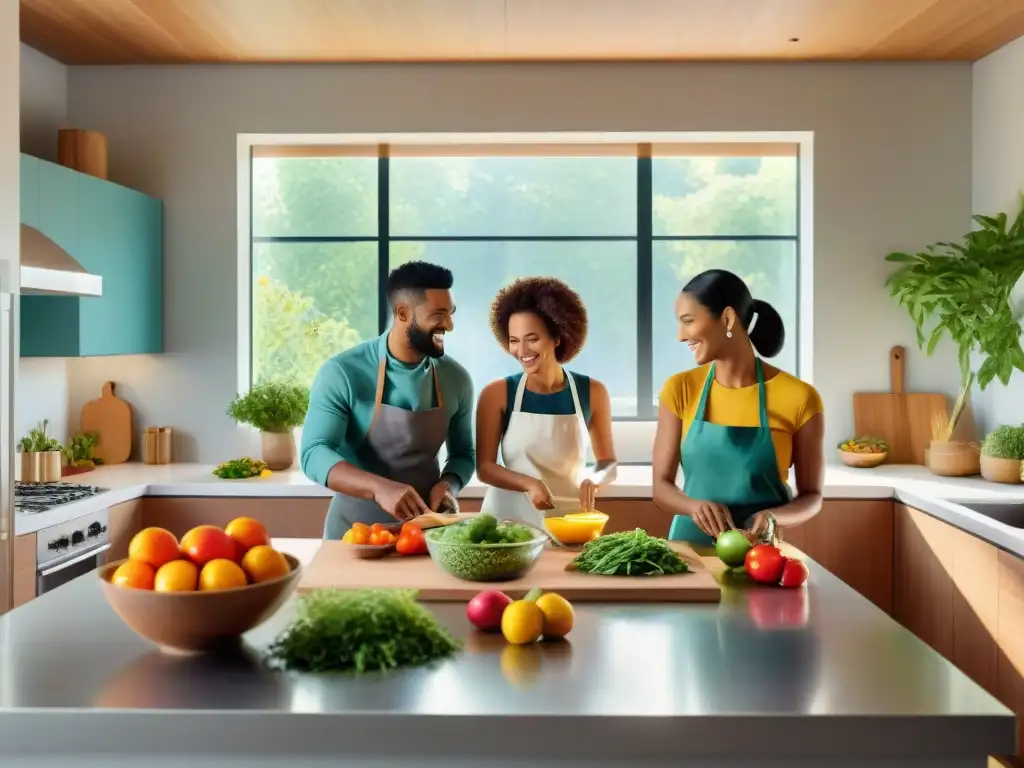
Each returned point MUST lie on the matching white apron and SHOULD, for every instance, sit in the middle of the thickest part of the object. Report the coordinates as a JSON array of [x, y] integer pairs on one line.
[[549, 447]]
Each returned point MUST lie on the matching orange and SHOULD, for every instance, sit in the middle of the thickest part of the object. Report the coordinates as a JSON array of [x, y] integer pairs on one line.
[[247, 533], [264, 563], [176, 576], [221, 574], [154, 546], [134, 574], [205, 543]]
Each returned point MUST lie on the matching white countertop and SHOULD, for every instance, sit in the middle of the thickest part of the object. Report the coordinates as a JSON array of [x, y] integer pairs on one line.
[[914, 485]]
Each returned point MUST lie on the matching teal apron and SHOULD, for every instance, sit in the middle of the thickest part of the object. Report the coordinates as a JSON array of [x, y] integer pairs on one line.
[[734, 466]]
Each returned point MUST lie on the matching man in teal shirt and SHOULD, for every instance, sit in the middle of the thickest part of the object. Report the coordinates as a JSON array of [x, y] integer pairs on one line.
[[379, 412]]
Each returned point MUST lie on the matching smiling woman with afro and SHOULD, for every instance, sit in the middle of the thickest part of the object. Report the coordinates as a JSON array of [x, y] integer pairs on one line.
[[542, 417]]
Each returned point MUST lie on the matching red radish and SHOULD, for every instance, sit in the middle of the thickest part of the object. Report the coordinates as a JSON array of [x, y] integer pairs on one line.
[[485, 609]]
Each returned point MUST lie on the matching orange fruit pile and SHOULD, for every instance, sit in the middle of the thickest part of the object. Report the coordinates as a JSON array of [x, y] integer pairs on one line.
[[207, 558]]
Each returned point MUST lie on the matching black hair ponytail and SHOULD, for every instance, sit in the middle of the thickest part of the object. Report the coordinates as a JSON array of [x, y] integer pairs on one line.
[[717, 289], [768, 334]]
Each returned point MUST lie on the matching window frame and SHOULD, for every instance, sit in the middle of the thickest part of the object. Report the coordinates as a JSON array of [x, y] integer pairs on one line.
[[633, 434]]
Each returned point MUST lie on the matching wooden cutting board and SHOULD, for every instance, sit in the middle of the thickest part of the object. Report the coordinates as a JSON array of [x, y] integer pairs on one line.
[[903, 419], [334, 567], [110, 418]]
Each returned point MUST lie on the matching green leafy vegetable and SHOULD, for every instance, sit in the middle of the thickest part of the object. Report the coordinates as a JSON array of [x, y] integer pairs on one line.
[[1005, 442], [361, 631], [483, 530], [240, 469], [78, 451], [629, 553]]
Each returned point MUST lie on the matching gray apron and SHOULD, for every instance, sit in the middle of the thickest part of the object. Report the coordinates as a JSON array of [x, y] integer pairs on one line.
[[400, 445]]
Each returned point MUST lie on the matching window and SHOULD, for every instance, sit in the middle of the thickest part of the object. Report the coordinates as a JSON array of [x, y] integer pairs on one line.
[[625, 225]]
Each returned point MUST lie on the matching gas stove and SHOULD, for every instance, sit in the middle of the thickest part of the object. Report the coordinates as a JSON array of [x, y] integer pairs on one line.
[[33, 498]]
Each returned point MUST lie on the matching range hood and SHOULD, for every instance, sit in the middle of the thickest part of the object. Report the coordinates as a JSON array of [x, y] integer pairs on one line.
[[48, 269]]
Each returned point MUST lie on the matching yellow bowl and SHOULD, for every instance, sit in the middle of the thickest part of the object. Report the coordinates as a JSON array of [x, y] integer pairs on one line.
[[576, 527]]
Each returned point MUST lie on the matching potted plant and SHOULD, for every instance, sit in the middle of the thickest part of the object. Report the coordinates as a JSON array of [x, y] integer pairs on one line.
[[40, 456], [275, 409], [78, 456], [1002, 452], [962, 290]]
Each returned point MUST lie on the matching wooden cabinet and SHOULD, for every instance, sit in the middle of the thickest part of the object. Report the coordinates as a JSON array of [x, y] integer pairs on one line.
[[290, 518], [123, 522], [112, 231], [852, 539], [965, 598]]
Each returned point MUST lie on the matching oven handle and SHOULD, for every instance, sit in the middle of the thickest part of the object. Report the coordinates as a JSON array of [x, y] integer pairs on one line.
[[77, 559]]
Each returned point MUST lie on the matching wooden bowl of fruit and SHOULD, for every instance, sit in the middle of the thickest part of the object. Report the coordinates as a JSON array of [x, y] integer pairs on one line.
[[212, 586], [863, 452]]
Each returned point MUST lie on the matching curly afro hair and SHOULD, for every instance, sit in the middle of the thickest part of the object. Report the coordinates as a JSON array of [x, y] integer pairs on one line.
[[554, 302]]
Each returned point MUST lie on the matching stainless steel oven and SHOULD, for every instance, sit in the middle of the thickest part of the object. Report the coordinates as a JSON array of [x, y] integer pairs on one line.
[[69, 550]]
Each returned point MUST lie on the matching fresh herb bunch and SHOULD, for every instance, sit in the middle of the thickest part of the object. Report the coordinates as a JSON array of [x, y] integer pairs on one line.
[[241, 469], [963, 289], [37, 441], [1005, 442], [629, 553], [271, 407], [360, 631]]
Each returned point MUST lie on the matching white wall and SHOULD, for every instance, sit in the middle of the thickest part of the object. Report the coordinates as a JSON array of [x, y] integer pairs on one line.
[[892, 165], [43, 390], [998, 167]]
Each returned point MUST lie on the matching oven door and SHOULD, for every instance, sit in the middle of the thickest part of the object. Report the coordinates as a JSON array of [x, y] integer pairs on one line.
[[77, 563]]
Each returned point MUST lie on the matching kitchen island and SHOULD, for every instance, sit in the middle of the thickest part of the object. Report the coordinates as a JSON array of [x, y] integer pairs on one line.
[[769, 677]]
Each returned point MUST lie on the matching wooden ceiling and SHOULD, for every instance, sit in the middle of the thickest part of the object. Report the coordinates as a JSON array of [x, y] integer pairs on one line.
[[198, 31]]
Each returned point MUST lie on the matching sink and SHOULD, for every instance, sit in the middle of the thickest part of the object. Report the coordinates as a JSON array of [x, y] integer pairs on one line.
[[1007, 513]]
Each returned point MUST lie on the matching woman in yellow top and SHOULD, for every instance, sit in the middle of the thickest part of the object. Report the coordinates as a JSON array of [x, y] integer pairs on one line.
[[736, 424]]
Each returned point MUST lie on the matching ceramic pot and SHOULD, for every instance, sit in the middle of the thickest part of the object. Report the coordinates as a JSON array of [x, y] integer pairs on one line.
[[953, 458], [278, 449], [1000, 470], [40, 466]]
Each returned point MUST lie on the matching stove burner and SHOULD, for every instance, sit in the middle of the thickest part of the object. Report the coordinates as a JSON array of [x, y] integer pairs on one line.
[[33, 498]]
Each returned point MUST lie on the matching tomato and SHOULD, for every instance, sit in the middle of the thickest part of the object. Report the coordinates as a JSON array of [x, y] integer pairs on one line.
[[357, 535], [381, 538], [794, 574], [411, 527], [410, 543], [764, 564], [377, 528]]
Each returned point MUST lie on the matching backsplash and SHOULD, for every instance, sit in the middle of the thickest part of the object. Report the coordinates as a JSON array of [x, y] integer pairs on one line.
[[43, 392]]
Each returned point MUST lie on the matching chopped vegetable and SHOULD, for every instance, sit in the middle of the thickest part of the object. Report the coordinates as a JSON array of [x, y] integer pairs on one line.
[[240, 469], [629, 553], [483, 530], [361, 631]]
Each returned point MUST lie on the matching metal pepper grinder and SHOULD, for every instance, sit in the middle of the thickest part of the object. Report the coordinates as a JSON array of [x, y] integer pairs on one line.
[[769, 536]]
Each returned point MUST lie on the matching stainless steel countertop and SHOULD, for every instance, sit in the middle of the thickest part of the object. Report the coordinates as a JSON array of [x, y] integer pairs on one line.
[[794, 674]]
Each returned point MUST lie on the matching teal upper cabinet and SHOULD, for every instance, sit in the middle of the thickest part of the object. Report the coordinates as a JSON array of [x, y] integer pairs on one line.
[[113, 232]]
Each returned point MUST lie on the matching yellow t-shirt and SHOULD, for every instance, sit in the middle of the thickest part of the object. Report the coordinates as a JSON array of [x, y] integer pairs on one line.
[[791, 404]]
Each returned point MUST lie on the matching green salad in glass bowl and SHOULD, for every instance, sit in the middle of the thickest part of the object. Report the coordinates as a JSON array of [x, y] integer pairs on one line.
[[482, 549]]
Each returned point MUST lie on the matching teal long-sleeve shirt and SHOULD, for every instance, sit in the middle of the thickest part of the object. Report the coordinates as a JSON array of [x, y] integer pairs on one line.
[[341, 403]]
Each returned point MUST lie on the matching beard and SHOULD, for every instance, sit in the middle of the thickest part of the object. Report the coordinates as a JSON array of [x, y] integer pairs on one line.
[[422, 341]]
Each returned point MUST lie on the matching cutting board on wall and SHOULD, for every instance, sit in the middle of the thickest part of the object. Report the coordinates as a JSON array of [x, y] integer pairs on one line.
[[903, 419], [110, 418]]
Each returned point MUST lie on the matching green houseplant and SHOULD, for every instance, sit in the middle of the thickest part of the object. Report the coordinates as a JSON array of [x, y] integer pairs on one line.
[[963, 290], [40, 456], [275, 409], [1002, 454]]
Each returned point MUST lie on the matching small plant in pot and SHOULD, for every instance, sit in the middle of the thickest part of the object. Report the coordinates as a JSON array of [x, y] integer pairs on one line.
[[40, 456], [963, 290], [1002, 454], [275, 409]]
